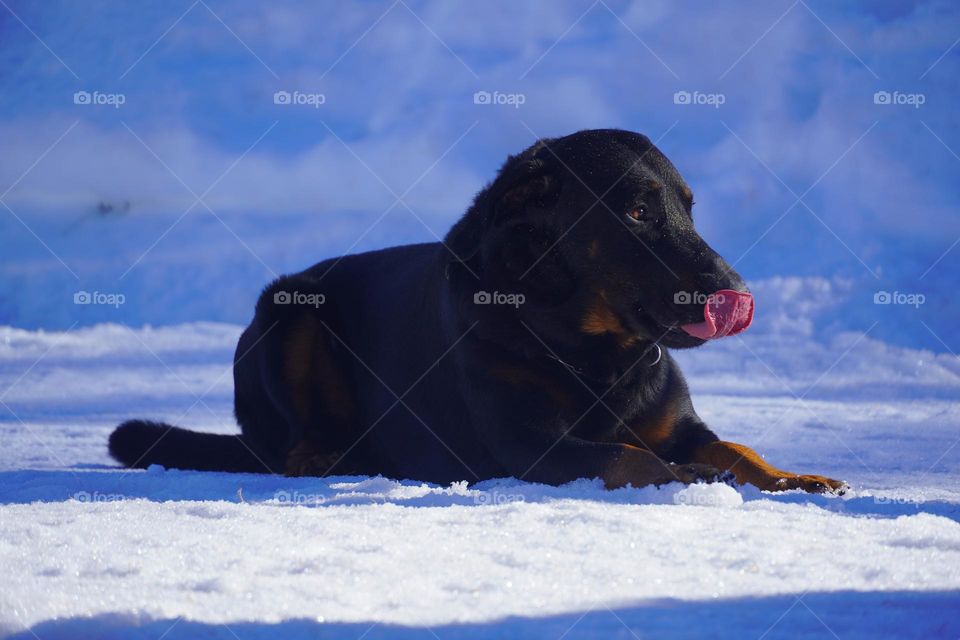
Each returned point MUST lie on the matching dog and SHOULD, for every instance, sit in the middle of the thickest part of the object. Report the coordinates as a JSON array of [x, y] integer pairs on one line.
[[532, 342]]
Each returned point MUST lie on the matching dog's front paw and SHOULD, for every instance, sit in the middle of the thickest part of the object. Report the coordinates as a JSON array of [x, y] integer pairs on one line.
[[810, 484], [693, 473], [306, 460]]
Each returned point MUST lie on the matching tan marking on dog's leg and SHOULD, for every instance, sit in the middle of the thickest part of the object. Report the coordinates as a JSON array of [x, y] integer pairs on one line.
[[654, 432], [320, 396], [749, 468], [640, 467], [298, 363]]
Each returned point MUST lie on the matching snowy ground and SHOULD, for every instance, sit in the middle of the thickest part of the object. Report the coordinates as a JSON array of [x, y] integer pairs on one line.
[[89, 550]]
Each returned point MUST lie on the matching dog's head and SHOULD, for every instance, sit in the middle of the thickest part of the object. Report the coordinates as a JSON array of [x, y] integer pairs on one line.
[[595, 231]]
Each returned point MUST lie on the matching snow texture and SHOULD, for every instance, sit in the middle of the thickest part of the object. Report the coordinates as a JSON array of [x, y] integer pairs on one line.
[[89, 550]]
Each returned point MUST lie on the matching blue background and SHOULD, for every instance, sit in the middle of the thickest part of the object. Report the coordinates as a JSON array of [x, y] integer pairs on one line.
[[98, 198]]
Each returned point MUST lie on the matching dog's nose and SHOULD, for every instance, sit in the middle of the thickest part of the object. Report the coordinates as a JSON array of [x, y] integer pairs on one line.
[[713, 272], [724, 277]]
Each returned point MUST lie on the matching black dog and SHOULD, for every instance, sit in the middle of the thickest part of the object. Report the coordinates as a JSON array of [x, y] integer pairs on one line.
[[531, 343]]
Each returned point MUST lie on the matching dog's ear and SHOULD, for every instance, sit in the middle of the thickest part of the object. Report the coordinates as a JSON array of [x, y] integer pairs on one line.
[[533, 188], [526, 184]]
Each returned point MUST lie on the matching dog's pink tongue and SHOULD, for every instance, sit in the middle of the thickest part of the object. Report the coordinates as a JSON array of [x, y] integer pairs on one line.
[[726, 313]]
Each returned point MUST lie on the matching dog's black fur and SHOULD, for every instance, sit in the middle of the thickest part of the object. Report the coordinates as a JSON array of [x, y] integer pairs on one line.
[[393, 368]]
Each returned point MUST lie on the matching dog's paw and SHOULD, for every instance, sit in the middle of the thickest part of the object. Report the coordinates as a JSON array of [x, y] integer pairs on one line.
[[810, 484], [727, 478], [693, 473], [304, 461]]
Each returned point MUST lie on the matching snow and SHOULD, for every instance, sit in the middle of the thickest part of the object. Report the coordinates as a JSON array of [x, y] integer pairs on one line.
[[91, 550], [416, 556]]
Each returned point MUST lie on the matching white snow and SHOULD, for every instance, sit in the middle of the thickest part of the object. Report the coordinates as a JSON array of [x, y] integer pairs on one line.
[[89, 550]]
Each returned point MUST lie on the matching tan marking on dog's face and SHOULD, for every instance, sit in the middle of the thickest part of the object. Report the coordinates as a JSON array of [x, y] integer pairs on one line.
[[687, 194], [600, 319]]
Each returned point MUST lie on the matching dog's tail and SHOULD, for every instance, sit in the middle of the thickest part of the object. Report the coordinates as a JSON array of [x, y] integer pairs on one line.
[[140, 443]]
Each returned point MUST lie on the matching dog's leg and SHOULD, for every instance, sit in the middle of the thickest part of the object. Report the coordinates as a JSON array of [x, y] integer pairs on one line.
[[516, 417], [749, 468], [549, 460], [321, 399], [639, 467], [305, 382]]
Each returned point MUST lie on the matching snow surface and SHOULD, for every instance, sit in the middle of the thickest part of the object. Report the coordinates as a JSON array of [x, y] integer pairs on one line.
[[89, 550]]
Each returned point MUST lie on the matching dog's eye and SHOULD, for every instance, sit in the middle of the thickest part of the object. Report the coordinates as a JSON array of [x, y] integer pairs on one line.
[[638, 213]]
